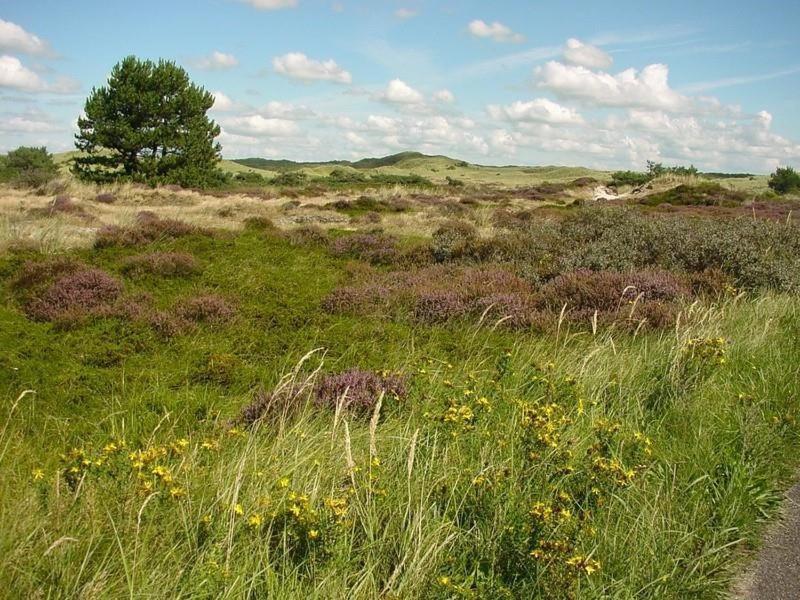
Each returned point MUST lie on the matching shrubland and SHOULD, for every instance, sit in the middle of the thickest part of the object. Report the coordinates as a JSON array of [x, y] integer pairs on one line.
[[477, 395]]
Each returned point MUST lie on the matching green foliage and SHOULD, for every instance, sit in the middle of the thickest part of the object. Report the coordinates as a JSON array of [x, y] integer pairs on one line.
[[704, 193], [148, 124], [28, 167], [290, 179], [519, 466], [654, 169], [632, 178], [249, 178], [785, 180]]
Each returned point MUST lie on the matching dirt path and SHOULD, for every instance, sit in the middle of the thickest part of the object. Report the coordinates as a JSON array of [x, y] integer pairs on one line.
[[776, 572]]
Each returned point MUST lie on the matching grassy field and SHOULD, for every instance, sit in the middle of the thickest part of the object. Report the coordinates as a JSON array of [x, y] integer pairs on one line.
[[419, 395]]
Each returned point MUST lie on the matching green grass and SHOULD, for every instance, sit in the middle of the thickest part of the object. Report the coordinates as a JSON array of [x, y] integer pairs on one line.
[[436, 507]]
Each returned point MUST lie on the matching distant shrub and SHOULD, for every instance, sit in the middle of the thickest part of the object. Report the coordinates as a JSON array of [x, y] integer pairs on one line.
[[290, 179], [249, 178], [705, 193], [784, 180], [164, 264], [206, 308], [453, 182], [357, 390], [345, 176], [632, 178], [376, 248], [389, 179], [28, 167]]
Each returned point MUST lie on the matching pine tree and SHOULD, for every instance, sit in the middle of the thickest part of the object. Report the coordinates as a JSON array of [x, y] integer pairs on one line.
[[149, 123]]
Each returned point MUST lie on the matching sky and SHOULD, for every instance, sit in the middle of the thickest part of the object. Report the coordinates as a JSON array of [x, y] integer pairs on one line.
[[714, 83]]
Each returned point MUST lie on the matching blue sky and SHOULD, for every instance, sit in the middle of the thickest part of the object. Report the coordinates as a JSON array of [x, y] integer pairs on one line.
[[599, 84]]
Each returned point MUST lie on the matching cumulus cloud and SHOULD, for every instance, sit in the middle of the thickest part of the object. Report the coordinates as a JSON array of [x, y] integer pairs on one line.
[[648, 88], [405, 13], [256, 125], [585, 55], [15, 39], [539, 110], [222, 103], [216, 61], [13, 74], [297, 65], [271, 4], [28, 124], [286, 110], [399, 92], [495, 31], [445, 96]]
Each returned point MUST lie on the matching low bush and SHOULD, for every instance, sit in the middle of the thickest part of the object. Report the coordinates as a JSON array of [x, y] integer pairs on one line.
[[375, 248], [76, 295], [147, 229], [453, 239], [105, 198], [205, 308], [706, 193], [163, 264], [357, 390]]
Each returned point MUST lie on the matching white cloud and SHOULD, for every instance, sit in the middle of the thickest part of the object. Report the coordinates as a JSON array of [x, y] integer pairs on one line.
[[286, 110], [399, 92], [13, 74], [381, 123], [539, 110], [585, 55], [297, 65], [405, 13], [216, 61], [15, 39], [445, 96], [222, 103], [28, 124], [496, 31], [648, 88], [256, 125], [355, 139], [271, 4]]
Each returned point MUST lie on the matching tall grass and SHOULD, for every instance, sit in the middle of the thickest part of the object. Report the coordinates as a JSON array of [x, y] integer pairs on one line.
[[420, 519]]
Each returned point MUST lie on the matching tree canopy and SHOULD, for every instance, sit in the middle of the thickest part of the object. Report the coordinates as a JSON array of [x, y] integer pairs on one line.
[[28, 166], [149, 123], [785, 180]]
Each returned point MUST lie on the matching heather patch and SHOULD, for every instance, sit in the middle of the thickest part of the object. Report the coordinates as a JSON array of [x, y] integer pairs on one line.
[[147, 229], [375, 248], [73, 296], [357, 390], [205, 308], [163, 264]]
